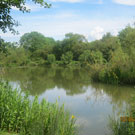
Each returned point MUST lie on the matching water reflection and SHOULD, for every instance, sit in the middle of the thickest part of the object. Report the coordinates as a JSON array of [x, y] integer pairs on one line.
[[38, 80], [90, 102]]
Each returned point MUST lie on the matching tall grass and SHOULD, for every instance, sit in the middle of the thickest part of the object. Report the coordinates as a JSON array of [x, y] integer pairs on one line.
[[122, 128], [21, 115], [119, 127], [112, 75]]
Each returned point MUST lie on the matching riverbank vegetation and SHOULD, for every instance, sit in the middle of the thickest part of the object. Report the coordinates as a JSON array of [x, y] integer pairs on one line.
[[6, 133], [21, 115], [126, 124], [111, 59]]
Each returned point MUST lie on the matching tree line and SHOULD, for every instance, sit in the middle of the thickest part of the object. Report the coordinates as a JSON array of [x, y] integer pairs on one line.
[[111, 59]]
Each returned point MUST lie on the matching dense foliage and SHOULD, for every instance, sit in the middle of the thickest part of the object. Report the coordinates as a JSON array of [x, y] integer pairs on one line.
[[19, 114], [6, 6], [112, 59]]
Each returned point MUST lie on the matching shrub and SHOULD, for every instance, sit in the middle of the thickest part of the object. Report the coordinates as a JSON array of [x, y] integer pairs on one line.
[[67, 58], [74, 64], [126, 127], [21, 115], [51, 58], [91, 57]]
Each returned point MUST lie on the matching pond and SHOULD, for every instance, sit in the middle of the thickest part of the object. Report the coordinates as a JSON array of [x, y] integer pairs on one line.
[[91, 103]]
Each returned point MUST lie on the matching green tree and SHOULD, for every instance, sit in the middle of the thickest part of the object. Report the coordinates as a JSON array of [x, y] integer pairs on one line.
[[127, 38], [6, 20], [119, 59], [118, 69], [16, 57], [132, 56], [74, 43], [51, 59], [91, 57], [96, 57], [75, 37], [58, 50], [67, 58], [85, 57], [107, 45], [3, 46], [32, 41]]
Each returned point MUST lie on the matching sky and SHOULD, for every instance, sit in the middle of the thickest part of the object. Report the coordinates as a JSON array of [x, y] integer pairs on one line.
[[91, 18]]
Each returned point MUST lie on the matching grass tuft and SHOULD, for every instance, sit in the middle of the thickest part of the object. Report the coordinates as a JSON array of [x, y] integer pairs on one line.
[[19, 114]]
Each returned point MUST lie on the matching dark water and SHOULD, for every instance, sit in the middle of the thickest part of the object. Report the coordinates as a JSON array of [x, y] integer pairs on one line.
[[91, 103]]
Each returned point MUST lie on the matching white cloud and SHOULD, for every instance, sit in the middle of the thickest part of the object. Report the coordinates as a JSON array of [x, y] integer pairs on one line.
[[125, 2], [32, 7], [100, 2], [9, 35], [65, 15], [79, 1], [92, 29], [14, 8], [58, 24], [115, 32], [69, 1], [97, 32]]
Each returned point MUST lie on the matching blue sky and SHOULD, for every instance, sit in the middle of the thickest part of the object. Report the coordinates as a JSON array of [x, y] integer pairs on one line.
[[92, 18]]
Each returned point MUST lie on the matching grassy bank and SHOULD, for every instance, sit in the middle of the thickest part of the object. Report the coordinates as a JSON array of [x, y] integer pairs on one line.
[[20, 115]]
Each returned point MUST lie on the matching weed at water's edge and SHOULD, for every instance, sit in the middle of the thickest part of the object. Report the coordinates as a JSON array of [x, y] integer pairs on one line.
[[18, 114]]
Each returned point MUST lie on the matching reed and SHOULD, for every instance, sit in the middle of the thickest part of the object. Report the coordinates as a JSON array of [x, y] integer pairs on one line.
[[19, 114], [127, 125]]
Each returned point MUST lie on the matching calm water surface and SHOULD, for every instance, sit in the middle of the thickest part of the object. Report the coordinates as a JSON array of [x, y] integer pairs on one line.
[[91, 103]]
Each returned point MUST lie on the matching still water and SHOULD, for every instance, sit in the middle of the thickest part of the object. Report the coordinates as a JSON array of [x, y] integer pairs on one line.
[[91, 103]]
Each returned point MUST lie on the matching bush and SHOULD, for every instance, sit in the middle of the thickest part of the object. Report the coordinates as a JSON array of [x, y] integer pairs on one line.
[[51, 59], [91, 57], [21, 115], [125, 127], [67, 58], [74, 64]]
